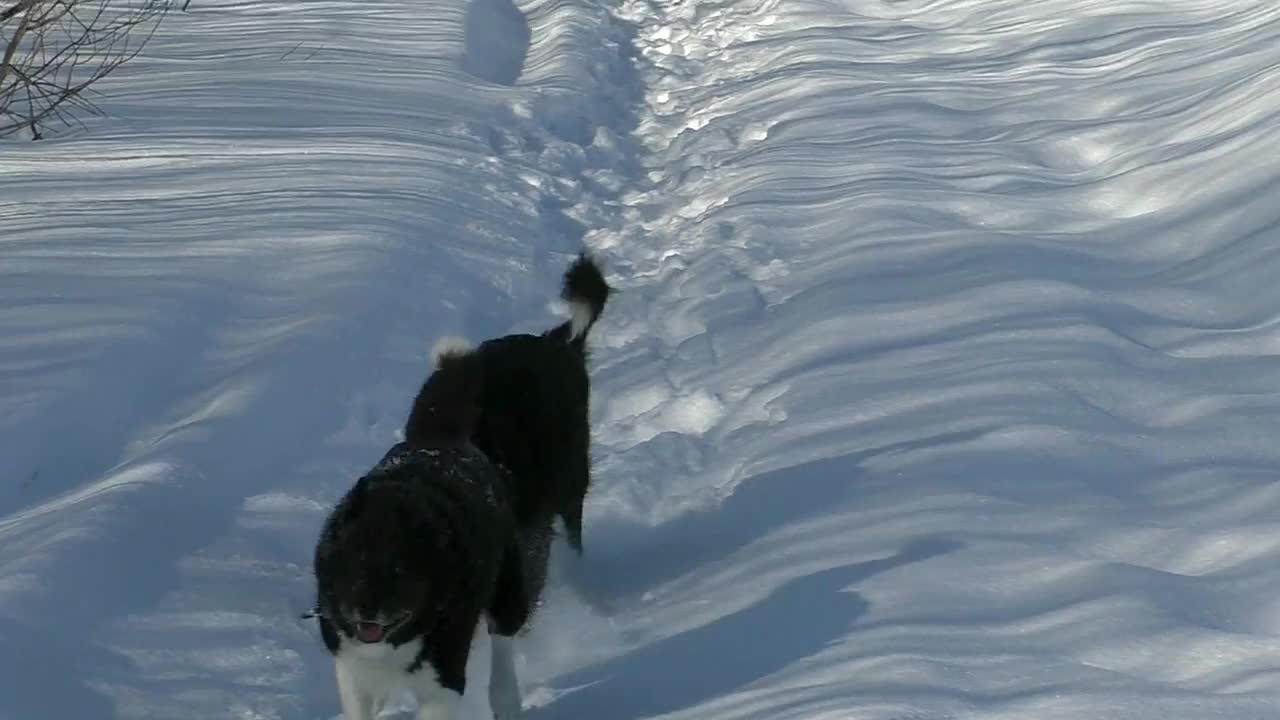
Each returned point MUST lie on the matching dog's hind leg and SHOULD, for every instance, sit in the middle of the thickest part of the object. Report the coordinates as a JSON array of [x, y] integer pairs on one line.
[[574, 482], [572, 517]]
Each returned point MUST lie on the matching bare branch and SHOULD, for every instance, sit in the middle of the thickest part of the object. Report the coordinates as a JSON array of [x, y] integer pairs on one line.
[[52, 51], [17, 8]]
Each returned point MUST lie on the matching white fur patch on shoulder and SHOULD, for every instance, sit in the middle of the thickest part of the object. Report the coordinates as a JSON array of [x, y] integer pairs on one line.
[[449, 345]]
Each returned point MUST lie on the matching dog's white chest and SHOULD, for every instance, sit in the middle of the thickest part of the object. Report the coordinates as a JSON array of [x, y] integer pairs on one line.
[[374, 673]]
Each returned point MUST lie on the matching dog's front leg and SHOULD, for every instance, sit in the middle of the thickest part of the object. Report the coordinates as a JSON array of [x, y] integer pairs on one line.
[[436, 702], [357, 702], [504, 686]]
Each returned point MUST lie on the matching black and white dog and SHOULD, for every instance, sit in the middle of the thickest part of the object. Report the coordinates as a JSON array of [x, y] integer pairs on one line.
[[455, 523]]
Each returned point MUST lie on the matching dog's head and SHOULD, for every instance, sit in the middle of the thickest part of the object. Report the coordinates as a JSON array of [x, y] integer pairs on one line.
[[374, 565], [383, 565]]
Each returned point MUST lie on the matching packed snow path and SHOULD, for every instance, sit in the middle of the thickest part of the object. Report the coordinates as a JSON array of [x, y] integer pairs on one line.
[[940, 385]]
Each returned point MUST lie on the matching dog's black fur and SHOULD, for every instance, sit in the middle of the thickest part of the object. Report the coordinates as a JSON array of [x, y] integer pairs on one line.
[[535, 403], [455, 523]]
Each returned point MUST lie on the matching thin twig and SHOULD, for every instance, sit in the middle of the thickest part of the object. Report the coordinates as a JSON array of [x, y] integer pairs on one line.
[[60, 48]]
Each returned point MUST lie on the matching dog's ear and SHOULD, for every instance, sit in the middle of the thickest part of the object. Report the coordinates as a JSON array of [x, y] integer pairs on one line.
[[448, 405]]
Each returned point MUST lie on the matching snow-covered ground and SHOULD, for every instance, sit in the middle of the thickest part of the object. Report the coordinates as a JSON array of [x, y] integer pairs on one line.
[[942, 382]]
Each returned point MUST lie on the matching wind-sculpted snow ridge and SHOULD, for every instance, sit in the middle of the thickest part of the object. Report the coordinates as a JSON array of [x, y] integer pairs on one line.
[[941, 383]]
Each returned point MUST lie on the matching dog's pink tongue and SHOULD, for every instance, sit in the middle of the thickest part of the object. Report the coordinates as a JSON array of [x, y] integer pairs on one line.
[[370, 632]]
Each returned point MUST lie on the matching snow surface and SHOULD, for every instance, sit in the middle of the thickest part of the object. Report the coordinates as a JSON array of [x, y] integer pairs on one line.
[[941, 383]]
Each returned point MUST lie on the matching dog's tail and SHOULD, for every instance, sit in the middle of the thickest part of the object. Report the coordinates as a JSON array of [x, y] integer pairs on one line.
[[586, 292], [448, 404]]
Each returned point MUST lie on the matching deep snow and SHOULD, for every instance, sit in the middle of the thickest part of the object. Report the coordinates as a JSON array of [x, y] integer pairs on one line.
[[940, 385]]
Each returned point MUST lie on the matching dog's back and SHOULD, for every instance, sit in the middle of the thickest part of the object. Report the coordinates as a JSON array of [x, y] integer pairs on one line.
[[533, 422], [535, 406]]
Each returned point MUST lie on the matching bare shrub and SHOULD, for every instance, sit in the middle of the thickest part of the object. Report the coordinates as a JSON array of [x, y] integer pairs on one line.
[[53, 51]]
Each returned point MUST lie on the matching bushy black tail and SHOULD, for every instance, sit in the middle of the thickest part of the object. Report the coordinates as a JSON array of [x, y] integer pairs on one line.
[[448, 404], [586, 292]]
